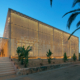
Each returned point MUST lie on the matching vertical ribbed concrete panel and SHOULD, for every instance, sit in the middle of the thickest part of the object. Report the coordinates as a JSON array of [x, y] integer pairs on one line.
[[24, 32], [66, 44], [57, 43], [45, 39], [74, 46]]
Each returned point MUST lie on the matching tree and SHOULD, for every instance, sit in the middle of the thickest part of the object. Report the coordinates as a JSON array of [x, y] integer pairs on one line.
[[65, 57], [26, 55], [74, 57], [23, 55], [79, 56], [72, 17], [19, 52], [51, 2], [49, 56]]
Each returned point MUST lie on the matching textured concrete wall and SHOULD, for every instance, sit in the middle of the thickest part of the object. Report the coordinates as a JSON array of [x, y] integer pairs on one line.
[[26, 31]]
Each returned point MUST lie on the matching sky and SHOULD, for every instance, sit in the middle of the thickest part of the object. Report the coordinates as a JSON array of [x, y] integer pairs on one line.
[[42, 11]]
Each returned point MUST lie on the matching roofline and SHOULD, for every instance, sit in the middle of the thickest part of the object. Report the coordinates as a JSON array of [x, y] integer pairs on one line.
[[38, 21]]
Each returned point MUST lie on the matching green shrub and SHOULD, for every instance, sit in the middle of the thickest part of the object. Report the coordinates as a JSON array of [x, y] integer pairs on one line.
[[19, 52], [26, 55], [65, 57], [74, 57], [49, 56], [79, 56], [23, 55], [41, 64]]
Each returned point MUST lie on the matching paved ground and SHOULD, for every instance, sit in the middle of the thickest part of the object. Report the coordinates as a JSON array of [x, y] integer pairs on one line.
[[67, 73]]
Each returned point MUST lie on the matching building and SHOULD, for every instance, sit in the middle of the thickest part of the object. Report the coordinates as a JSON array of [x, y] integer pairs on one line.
[[22, 30]]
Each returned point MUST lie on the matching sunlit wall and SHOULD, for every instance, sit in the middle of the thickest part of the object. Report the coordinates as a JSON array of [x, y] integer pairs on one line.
[[26, 31]]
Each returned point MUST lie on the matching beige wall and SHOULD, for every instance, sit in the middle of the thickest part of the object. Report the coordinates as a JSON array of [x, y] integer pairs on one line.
[[26, 31], [5, 48]]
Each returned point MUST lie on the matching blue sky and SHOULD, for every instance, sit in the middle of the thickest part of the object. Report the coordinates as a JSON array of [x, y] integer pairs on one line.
[[41, 10]]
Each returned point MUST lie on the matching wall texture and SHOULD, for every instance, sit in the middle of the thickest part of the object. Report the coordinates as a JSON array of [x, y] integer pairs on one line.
[[26, 31]]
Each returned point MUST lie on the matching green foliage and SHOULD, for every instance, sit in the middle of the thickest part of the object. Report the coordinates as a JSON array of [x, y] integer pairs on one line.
[[49, 56], [51, 2], [65, 57], [73, 16], [79, 56], [73, 33], [23, 55], [26, 55], [74, 57], [19, 52], [75, 2]]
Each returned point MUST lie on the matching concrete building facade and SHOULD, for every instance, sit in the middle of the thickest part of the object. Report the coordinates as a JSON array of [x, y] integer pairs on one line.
[[22, 30]]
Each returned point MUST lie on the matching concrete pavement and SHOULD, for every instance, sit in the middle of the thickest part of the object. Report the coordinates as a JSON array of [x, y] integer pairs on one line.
[[65, 73]]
